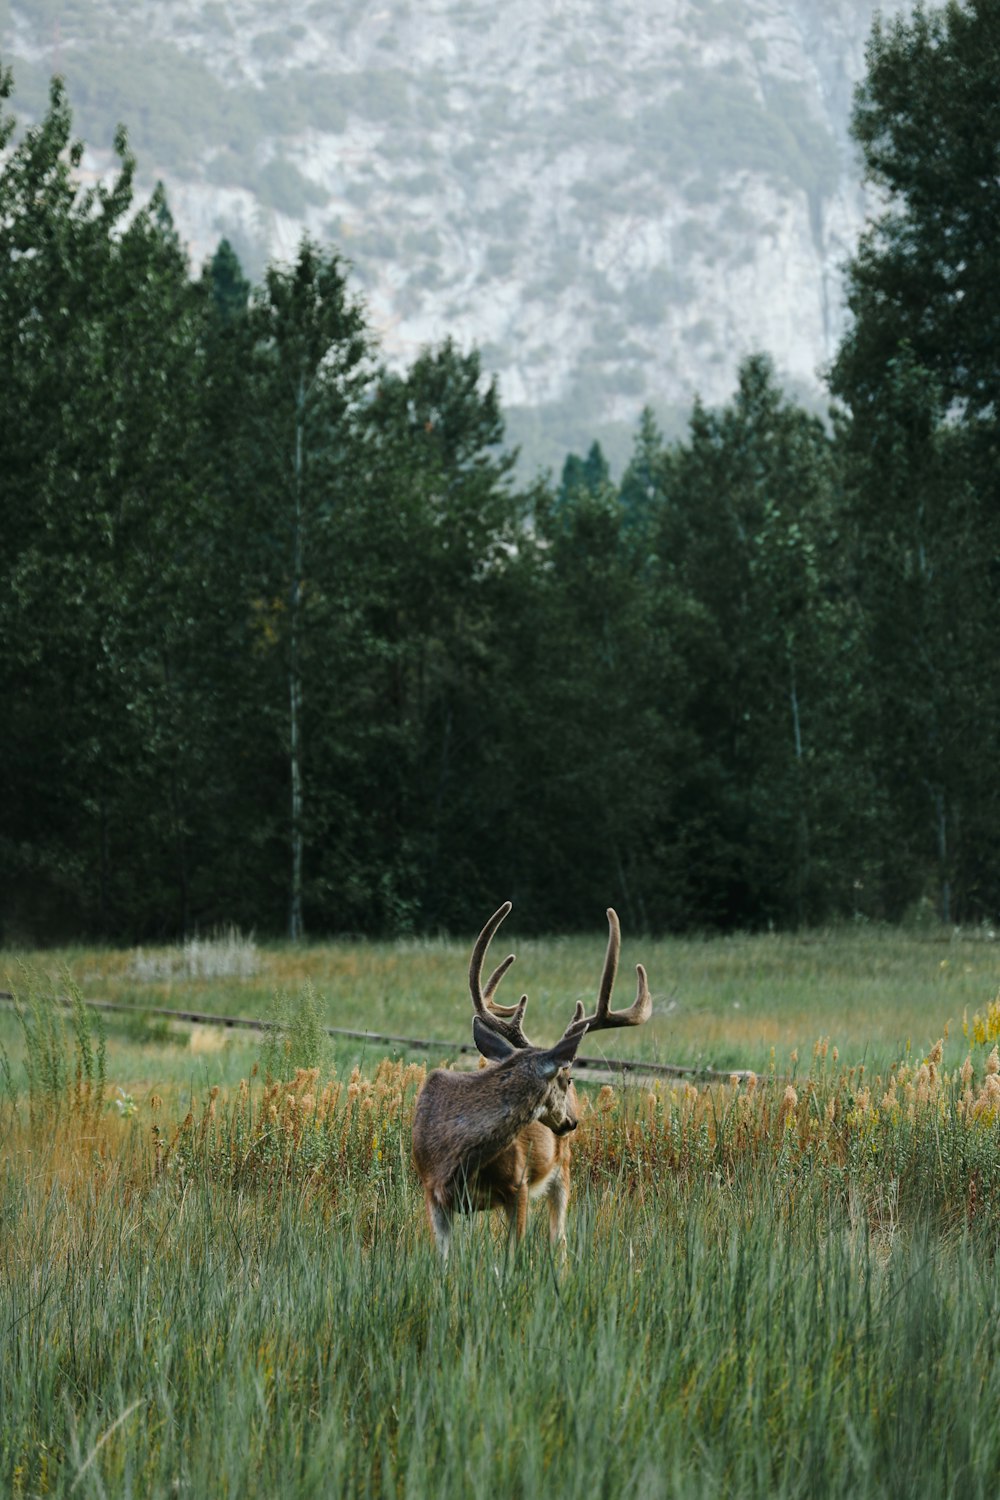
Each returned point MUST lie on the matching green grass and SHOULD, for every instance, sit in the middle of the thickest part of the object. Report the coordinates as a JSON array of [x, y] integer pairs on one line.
[[698, 1342], [766, 1292], [723, 1002]]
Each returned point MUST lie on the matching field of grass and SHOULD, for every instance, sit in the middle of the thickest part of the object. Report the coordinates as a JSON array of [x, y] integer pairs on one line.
[[721, 1002], [212, 1284]]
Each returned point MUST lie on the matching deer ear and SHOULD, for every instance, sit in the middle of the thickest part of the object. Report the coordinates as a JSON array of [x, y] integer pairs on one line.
[[559, 1056], [491, 1045]]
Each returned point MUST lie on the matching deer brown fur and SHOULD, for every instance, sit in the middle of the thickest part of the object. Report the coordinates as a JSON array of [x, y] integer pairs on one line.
[[498, 1137]]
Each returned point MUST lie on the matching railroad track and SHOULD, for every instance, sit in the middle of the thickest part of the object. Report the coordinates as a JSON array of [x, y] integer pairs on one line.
[[633, 1069]]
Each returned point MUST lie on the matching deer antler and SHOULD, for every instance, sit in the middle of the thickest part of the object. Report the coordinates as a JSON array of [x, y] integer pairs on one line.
[[491, 988], [642, 1006], [503, 1020]]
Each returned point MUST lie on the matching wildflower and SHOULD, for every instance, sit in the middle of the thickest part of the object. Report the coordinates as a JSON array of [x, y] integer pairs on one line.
[[786, 1111], [125, 1104], [923, 1085], [606, 1098], [329, 1100], [966, 1074], [988, 1103], [993, 1062], [936, 1052]]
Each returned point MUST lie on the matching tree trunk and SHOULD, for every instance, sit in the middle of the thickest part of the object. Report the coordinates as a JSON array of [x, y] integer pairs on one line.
[[941, 817], [802, 816], [295, 924]]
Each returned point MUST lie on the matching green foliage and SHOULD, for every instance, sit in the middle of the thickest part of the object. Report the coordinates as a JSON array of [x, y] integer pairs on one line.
[[745, 529], [64, 1061], [296, 1037], [230, 290], [284, 643], [926, 119], [590, 474], [917, 372]]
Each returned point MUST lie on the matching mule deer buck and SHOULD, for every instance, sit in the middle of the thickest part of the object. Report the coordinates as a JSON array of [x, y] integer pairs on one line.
[[496, 1138]]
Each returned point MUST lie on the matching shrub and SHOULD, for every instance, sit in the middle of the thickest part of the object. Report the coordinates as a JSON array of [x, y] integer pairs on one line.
[[64, 1049]]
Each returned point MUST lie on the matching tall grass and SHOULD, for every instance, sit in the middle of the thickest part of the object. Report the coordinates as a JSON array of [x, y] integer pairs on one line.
[[64, 1049], [224, 954], [209, 1341], [777, 1288]]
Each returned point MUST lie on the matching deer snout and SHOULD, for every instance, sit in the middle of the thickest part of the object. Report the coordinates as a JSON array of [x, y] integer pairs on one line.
[[564, 1128]]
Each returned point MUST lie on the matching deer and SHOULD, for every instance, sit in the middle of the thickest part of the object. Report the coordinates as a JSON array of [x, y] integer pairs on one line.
[[499, 1137]]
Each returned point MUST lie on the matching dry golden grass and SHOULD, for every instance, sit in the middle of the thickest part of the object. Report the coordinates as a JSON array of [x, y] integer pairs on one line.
[[237, 1290]]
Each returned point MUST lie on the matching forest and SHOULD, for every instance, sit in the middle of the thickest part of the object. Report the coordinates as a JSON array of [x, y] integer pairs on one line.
[[287, 641]]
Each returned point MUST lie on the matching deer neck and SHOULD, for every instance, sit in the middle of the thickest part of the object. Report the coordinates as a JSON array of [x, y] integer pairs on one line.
[[509, 1096]]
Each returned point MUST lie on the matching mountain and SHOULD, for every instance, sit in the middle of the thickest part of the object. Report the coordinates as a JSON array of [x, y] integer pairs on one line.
[[615, 199]]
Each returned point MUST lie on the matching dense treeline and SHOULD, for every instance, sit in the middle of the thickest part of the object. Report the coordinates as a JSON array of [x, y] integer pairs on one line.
[[285, 642]]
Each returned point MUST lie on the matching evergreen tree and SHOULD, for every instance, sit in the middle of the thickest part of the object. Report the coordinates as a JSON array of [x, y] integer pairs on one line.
[[927, 118], [641, 490], [308, 372], [590, 474], [918, 374], [438, 534], [97, 315], [745, 530]]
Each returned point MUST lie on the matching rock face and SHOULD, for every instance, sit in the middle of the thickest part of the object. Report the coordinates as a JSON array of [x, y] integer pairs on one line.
[[615, 199]]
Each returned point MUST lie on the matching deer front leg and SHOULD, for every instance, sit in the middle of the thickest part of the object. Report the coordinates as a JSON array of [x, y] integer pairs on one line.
[[440, 1220], [522, 1208], [558, 1196], [517, 1213]]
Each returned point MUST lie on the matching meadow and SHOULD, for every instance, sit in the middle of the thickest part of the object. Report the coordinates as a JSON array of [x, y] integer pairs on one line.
[[216, 1278]]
